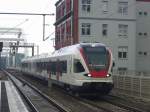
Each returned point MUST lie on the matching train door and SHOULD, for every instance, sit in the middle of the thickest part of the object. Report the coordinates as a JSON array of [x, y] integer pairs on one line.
[[70, 76], [70, 65], [58, 70], [49, 69]]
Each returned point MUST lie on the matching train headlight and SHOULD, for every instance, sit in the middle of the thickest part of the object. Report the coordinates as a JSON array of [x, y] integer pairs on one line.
[[89, 75], [108, 75]]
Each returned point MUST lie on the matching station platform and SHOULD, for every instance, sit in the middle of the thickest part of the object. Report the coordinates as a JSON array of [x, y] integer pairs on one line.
[[10, 100]]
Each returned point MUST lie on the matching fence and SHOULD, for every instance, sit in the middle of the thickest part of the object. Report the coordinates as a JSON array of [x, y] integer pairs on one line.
[[134, 85]]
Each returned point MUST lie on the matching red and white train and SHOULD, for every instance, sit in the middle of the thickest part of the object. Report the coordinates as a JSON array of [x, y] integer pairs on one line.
[[84, 67]]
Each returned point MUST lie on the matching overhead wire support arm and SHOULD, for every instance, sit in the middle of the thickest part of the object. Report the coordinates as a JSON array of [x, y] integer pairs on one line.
[[34, 14]]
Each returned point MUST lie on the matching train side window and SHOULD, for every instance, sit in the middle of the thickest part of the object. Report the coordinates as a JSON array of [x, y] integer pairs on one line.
[[53, 68], [78, 67], [44, 65], [29, 66], [49, 66], [64, 66]]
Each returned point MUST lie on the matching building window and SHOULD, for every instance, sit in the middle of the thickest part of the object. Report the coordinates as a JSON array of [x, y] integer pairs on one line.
[[62, 32], [86, 29], [122, 70], [105, 6], [57, 34], [104, 29], [68, 6], [58, 12], [145, 34], [123, 8], [140, 13], [68, 28], [145, 13], [86, 5], [140, 52], [140, 33], [145, 53], [123, 30], [63, 9], [123, 52]]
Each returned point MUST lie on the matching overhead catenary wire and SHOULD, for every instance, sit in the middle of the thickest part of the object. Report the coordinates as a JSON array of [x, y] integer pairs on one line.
[[34, 14], [15, 26]]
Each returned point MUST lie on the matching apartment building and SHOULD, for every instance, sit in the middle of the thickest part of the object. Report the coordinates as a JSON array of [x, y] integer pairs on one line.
[[123, 25]]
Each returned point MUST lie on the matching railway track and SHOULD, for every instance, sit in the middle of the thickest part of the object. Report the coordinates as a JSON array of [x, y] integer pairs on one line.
[[37, 101], [105, 104], [70, 108], [110, 106], [111, 99]]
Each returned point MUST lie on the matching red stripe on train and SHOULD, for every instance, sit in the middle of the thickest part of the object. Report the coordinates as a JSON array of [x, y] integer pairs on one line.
[[99, 74], [85, 59]]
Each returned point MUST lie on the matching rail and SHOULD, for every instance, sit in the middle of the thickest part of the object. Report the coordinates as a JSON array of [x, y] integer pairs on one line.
[[32, 106]]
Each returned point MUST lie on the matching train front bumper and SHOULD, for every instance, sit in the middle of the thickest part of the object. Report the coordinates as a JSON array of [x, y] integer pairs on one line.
[[94, 87]]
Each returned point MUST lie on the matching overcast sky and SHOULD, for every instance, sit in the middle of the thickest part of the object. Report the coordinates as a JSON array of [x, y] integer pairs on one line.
[[31, 25]]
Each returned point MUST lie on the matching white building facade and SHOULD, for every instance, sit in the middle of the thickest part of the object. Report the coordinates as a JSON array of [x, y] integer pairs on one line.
[[143, 36], [112, 22]]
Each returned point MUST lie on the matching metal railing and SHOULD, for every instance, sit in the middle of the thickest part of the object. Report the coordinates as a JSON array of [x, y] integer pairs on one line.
[[137, 84], [132, 73]]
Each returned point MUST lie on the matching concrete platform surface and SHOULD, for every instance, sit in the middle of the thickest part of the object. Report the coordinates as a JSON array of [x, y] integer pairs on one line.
[[10, 100]]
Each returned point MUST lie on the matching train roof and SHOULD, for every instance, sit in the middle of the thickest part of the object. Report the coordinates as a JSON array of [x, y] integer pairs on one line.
[[69, 50]]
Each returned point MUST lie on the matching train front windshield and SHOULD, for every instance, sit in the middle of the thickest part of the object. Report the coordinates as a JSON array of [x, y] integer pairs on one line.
[[97, 58]]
